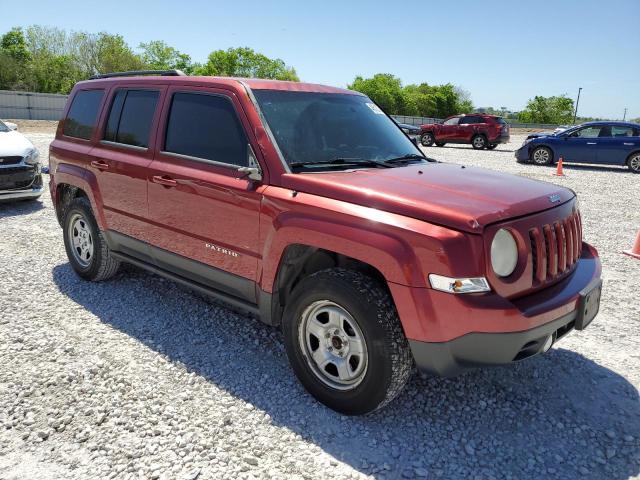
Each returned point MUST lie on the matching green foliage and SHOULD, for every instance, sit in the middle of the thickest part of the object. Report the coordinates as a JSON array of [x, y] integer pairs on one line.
[[423, 100], [557, 110], [14, 44], [245, 62], [386, 90], [157, 55]]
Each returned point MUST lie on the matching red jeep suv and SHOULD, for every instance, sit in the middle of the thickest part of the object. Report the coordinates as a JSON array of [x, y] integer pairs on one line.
[[480, 130], [309, 207]]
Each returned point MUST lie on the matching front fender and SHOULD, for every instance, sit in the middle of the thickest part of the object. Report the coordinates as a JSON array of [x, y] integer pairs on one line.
[[391, 256]]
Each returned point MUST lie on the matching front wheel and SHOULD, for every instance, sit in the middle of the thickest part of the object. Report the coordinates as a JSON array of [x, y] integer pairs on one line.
[[345, 343], [634, 162], [542, 156], [479, 142], [491, 146], [427, 139]]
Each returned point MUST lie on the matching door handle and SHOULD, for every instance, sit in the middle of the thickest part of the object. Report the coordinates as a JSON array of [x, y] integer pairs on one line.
[[100, 164], [592, 143], [164, 181], [628, 144]]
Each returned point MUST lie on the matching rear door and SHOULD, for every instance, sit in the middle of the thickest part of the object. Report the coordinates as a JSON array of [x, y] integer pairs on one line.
[[615, 148], [467, 127], [205, 213], [121, 157]]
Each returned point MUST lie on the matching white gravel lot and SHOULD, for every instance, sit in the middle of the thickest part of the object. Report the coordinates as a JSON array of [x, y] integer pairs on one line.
[[139, 378]]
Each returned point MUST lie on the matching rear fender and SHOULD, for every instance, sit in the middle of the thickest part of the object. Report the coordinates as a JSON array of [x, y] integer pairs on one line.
[[84, 180]]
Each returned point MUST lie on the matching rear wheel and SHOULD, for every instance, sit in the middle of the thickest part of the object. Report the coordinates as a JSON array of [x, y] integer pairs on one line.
[[634, 162], [86, 247], [440, 144], [427, 139], [344, 341], [542, 156], [479, 142]]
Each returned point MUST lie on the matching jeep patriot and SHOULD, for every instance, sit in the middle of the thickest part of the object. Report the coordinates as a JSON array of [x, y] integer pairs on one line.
[[307, 206]]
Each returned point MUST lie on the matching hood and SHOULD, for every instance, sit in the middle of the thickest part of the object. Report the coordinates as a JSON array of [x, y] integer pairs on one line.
[[14, 144], [456, 196]]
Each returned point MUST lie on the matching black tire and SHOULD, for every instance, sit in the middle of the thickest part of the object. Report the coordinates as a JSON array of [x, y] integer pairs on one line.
[[388, 357], [491, 146], [478, 141], [541, 156], [101, 265], [440, 144], [633, 162], [427, 139]]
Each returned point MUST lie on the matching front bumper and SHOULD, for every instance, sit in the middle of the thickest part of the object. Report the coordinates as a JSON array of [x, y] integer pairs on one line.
[[449, 334], [21, 181], [522, 154]]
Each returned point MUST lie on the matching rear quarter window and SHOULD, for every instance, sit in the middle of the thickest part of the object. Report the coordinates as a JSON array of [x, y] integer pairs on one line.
[[83, 114]]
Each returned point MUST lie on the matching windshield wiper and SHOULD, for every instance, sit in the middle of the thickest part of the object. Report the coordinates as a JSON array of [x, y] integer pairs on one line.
[[406, 158], [342, 161]]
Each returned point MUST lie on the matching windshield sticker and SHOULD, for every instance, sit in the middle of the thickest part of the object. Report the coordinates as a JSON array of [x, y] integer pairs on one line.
[[375, 108]]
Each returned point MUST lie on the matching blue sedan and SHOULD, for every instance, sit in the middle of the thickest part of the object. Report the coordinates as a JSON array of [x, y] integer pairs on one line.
[[603, 143]]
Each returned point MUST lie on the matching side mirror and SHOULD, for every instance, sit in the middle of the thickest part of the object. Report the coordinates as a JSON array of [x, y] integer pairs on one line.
[[252, 173]]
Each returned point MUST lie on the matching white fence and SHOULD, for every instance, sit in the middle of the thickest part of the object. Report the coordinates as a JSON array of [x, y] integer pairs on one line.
[[31, 106]]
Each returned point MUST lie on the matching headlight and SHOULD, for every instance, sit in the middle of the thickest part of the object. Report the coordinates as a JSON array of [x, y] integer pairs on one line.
[[527, 140], [32, 157], [504, 253]]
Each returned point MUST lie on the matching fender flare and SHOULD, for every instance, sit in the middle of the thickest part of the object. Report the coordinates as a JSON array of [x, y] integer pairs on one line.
[[391, 255], [86, 181]]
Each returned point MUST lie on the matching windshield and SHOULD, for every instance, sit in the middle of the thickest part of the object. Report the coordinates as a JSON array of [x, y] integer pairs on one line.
[[3, 127], [318, 128]]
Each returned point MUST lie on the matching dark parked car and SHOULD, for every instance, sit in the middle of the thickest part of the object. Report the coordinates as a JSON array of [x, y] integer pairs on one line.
[[605, 143], [480, 130]]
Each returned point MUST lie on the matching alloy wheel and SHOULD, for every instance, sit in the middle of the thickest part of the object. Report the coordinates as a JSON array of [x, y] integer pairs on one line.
[[541, 156], [634, 163]]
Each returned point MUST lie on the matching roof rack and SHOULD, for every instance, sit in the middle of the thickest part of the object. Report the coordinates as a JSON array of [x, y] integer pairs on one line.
[[135, 73]]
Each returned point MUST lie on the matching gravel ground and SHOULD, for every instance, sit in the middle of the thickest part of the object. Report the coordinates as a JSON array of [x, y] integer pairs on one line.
[[139, 378]]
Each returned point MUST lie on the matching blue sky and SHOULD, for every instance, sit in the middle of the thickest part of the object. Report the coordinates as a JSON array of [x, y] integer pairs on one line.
[[503, 53]]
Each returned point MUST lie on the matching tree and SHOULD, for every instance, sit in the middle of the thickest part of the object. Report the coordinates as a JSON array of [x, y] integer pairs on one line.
[[386, 90], [245, 62], [14, 44], [157, 55], [557, 110]]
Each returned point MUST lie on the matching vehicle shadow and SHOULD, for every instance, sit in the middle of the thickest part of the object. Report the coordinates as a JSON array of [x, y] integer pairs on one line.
[[469, 147], [547, 417], [14, 208], [595, 168]]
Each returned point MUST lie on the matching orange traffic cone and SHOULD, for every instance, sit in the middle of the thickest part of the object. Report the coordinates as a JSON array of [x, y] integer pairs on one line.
[[635, 251], [559, 171]]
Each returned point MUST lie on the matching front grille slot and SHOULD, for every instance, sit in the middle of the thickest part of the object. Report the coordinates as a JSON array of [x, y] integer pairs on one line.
[[555, 248], [11, 160]]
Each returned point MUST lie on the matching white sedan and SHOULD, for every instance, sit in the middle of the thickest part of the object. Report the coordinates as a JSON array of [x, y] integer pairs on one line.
[[20, 168]]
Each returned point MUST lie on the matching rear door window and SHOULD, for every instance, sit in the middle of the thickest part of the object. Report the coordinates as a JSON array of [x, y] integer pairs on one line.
[[206, 127], [131, 117], [83, 114], [621, 131], [471, 119]]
